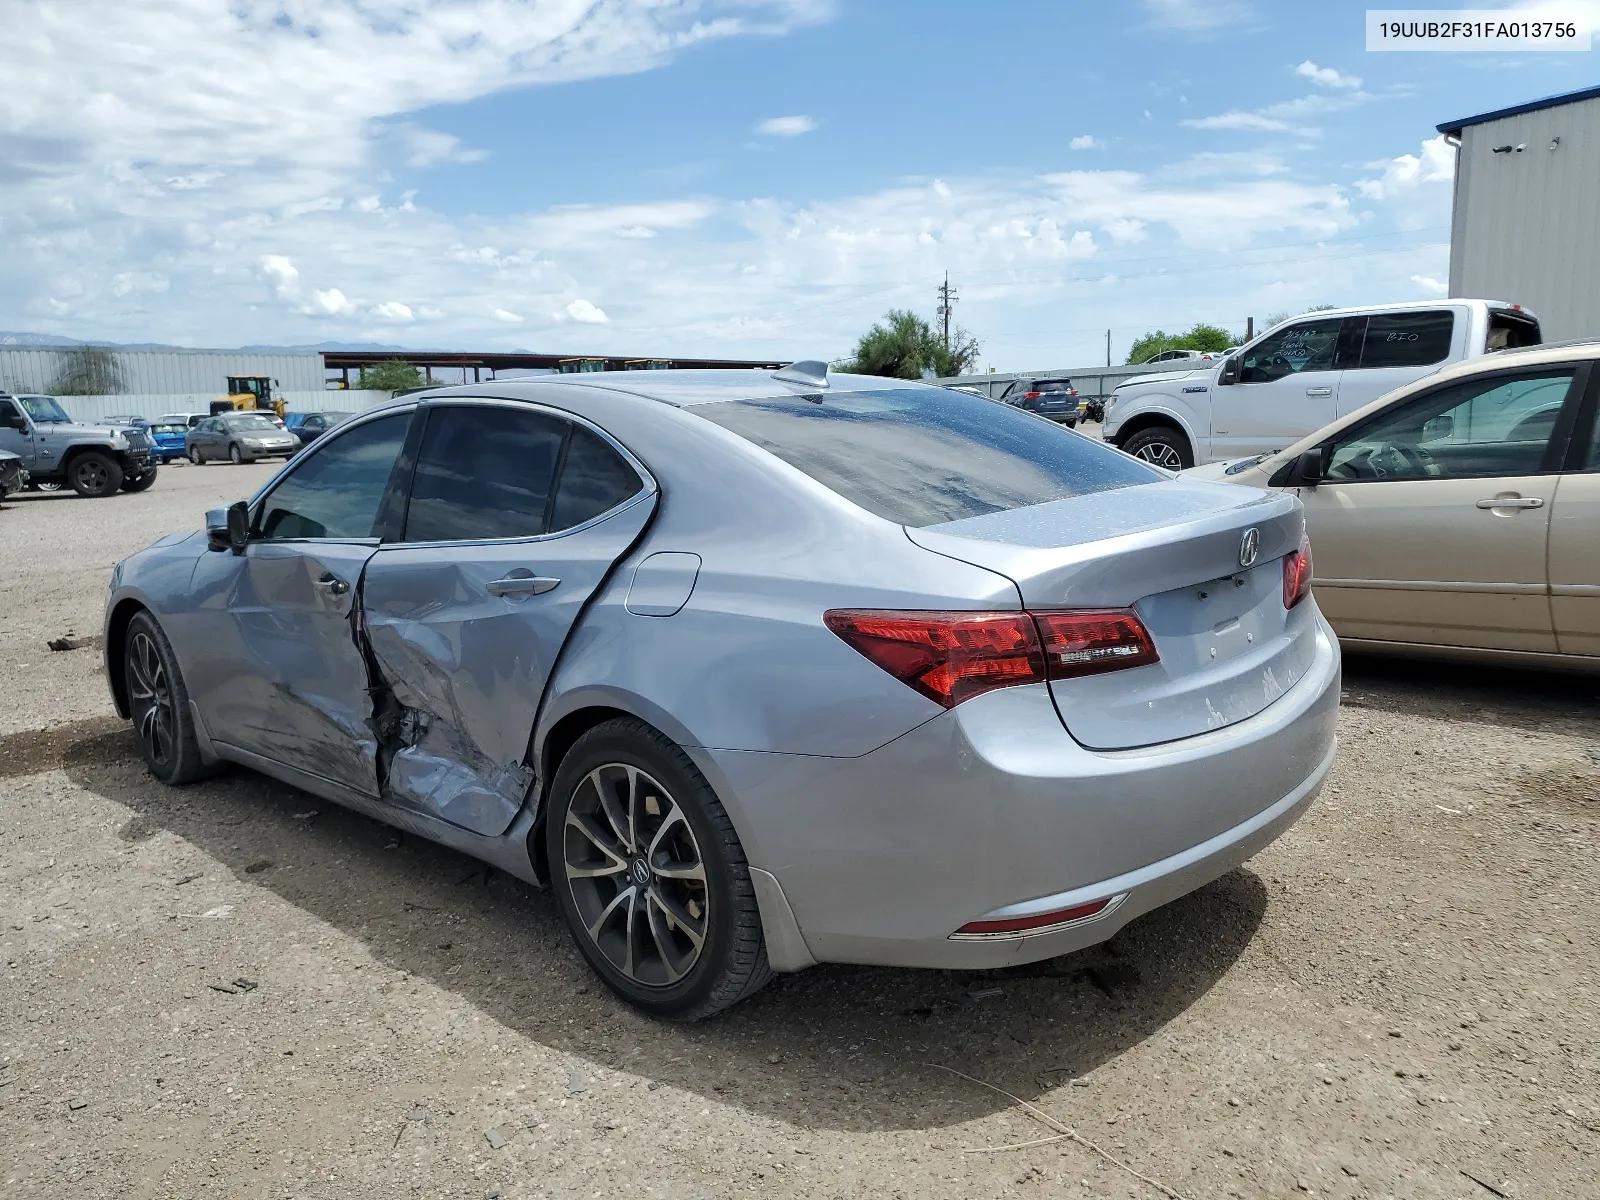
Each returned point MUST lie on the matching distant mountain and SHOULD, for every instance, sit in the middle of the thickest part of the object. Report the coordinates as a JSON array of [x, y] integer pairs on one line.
[[351, 346], [51, 341], [36, 339]]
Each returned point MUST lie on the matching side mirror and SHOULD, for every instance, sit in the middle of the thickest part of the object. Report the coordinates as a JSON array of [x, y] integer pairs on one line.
[[1438, 428], [1310, 467], [238, 526], [1230, 371], [217, 529]]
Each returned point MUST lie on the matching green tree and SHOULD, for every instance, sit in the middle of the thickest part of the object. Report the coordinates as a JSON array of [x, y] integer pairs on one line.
[[1279, 317], [87, 371], [390, 377], [1212, 338], [903, 344]]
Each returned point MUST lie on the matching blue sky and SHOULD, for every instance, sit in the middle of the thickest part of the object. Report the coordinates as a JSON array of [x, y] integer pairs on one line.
[[736, 177]]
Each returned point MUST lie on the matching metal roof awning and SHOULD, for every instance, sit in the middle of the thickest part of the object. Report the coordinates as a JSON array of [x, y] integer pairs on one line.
[[1454, 128]]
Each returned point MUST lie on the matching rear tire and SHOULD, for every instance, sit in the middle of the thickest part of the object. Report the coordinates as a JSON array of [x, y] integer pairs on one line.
[[1161, 446], [650, 875], [140, 483], [95, 474], [158, 703]]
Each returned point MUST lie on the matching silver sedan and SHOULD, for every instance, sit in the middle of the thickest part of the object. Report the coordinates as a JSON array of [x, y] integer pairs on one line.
[[755, 671], [239, 437]]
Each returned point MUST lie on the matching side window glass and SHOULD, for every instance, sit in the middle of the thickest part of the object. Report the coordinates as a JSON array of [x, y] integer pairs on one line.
[[11, 416], [1408, 339], [484, 471], [594, 479], [336, 490], [1477, 429], [1308, 346]]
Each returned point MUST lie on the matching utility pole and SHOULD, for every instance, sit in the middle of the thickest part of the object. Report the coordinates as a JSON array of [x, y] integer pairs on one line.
[[1108, 347], [1249, 329], [947, 299]]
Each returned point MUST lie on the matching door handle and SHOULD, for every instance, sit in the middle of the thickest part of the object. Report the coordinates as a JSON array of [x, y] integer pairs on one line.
[[521, 585], [334, 585], [1512, 502], [1319, 391]]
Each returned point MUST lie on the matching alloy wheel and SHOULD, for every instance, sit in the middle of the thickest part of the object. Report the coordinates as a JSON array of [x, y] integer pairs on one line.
[[636, 875], [1162, 454], [91, 476], [150, 697]]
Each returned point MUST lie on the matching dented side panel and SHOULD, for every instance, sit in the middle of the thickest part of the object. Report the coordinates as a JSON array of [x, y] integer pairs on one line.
[[277, 666], [458, 671]]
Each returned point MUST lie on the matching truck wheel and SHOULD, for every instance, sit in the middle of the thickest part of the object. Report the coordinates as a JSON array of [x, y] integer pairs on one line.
[[140, 483], [1161, 446], [94, 474], [233, 454]]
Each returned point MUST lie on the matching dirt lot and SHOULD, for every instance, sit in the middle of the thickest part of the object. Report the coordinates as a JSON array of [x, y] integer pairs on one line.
[[234, 989]]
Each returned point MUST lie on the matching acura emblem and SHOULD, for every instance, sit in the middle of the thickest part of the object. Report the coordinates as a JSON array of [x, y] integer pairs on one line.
[[1249, 547]]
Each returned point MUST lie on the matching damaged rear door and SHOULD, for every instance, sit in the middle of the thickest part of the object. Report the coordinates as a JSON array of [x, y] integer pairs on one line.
[[516, 514]]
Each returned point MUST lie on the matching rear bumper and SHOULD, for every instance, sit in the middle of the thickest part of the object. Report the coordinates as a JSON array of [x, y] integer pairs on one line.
[[992, 811]]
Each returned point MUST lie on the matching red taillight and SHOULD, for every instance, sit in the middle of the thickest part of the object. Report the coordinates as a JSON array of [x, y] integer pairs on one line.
[[947, 656], [1297, 574], [1031, 396], [1072, 391], [1087, 643], [953, 656]]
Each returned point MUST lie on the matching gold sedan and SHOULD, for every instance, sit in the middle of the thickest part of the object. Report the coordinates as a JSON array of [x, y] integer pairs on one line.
[[1458, 516]]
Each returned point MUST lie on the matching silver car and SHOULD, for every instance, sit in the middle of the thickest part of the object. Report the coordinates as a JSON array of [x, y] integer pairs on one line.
[[755, 670], [239, 437]]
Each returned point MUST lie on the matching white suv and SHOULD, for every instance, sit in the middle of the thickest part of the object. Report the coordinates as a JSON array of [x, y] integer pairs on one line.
[[1302, 374]]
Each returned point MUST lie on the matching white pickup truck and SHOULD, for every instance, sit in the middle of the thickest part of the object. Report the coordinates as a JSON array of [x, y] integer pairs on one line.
[[1302, 374]]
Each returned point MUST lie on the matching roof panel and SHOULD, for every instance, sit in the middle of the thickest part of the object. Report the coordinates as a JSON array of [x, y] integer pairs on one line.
[[1531, 106]]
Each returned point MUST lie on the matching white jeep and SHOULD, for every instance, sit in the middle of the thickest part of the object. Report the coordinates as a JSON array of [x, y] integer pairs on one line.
[[1302, 374]]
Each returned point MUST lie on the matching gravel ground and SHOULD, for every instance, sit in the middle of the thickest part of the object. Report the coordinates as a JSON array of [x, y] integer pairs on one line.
[[236, 989]]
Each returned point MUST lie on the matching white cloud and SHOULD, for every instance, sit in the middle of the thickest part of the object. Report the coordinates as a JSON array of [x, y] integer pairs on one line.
[[280, 269], [331, 302], [428, 147], [586, 313], [1434, 165], [786, 126], [1430, 285], [1326, 76], [1085, 141], [1287, 116], [510, 318], [393, 310], [1238, 120]]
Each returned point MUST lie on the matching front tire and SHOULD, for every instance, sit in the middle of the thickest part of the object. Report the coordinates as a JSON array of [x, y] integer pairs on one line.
[[158, 702], [234, 455], [95, 474], [650, 875], [1161, 446], [140, 483], [196, 457]]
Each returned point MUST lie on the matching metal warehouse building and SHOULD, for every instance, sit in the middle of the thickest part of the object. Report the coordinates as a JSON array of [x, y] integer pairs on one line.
[[1526, 224], [166, 371]]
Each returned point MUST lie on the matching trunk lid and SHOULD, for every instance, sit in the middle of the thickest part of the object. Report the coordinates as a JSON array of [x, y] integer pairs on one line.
[[1171, 551]]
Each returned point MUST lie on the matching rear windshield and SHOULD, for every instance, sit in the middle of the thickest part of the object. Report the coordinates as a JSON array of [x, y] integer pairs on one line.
[[1511, 331], [924, 456], [1052, 385]]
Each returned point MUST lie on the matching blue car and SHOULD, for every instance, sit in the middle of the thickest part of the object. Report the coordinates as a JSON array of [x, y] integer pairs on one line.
[[168, 439]]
